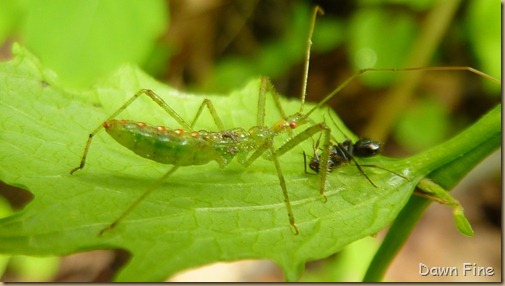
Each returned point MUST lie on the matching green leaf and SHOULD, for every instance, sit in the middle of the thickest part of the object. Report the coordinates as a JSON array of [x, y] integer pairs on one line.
[[462, 222], [436, 193], [199, 215], [85, 40]]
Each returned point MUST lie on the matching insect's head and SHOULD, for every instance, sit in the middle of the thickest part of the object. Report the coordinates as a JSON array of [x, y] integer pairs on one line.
[[335, 160], [290, 122]]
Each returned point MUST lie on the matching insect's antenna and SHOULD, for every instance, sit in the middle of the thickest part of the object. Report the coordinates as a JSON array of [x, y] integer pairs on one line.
[[360, 72], [316, 10], [336, 90], [469, 69], [336, 125]]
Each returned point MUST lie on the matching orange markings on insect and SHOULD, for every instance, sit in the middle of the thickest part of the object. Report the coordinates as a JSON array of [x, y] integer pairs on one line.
[[161, 128], [178, 131], [195, 134], [141, 124]]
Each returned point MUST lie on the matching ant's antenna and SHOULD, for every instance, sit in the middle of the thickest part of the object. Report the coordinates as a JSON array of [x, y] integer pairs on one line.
[[316, 10]]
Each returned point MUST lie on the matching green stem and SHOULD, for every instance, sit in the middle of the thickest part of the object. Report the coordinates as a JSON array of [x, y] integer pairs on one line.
[[475, 138], [450, 162]]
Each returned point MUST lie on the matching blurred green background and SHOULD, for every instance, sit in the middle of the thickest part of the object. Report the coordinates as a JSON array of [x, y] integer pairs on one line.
[[215, 46]]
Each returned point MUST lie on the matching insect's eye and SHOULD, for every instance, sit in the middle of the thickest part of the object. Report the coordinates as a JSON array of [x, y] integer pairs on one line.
[[293, 125]]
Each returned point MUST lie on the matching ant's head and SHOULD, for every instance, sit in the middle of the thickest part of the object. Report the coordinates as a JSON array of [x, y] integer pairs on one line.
[[314, 165], [366, 148], [290, 122]]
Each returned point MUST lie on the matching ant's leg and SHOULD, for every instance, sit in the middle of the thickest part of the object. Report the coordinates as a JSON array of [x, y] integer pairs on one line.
[[382, 168], [359, 168], [149, 190], [153, 97]]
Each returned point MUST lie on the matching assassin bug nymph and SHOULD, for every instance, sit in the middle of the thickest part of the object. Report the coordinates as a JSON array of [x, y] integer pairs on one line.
[[187, 147]]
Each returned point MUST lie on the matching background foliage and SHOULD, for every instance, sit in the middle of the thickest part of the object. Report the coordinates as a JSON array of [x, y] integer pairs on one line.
[[221, 45]]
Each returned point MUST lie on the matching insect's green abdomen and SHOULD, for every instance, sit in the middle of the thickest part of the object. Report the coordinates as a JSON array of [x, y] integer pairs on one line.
[[158, 144], [178, 147]]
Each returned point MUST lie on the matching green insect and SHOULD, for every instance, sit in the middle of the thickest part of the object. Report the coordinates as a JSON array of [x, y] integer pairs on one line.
[[187, 147]]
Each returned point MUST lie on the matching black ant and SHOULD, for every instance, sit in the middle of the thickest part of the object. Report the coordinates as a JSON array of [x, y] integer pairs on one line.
[[344, 153]]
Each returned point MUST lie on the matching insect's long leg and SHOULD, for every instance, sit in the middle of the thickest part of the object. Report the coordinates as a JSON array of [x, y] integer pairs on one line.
[[360, 72], [148, 191], [268, 145], [305, 163], [151, 95], [284, 190], [316, 10], [212, 111], [325, 156], [265, 87], [304, 135], [156, 98]]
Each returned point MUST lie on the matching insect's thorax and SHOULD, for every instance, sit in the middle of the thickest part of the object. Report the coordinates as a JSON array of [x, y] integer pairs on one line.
[[231, 143], [289, 123]]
